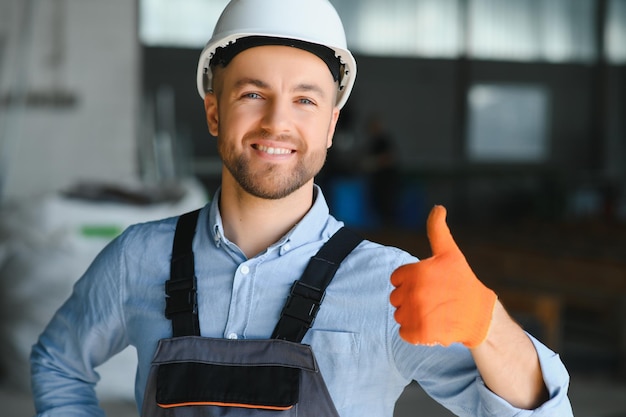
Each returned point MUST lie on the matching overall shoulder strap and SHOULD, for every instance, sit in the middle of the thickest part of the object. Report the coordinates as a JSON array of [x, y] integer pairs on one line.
[[181, 296], [307, 293]]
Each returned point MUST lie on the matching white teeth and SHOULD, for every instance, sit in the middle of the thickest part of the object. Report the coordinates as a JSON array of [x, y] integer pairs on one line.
[[273, 151]]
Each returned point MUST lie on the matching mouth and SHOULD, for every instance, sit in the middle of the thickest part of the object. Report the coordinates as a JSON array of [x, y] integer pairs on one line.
[[272, 150]]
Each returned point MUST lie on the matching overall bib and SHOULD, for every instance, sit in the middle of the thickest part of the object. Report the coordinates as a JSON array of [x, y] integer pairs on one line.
[[193, 376]]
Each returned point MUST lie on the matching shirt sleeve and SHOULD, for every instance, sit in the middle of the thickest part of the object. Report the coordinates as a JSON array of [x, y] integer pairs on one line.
[[556, 379], [449, 375], [87, 330]]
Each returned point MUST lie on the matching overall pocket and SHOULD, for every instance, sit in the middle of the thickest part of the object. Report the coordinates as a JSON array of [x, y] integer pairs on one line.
[[269, 387]]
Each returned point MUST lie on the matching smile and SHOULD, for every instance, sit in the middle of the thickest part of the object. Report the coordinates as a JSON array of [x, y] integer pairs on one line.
[[273, 151]]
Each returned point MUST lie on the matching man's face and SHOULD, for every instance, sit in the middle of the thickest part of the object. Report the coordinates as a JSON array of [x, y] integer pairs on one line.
[[273, 112]]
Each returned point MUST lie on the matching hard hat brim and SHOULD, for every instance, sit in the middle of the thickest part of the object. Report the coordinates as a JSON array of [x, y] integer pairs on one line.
[[204, 75]]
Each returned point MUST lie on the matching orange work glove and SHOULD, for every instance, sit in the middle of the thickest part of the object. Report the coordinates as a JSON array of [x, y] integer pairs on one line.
[[439, 300]]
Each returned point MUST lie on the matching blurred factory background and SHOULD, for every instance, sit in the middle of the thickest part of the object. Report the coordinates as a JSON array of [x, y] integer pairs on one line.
[[511, 113]]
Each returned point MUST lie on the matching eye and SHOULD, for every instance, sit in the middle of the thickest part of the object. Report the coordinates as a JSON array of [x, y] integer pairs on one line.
[[306, 101], [253, 96]]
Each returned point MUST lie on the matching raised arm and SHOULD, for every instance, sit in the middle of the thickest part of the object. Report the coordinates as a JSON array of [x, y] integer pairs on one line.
[[441, 301]]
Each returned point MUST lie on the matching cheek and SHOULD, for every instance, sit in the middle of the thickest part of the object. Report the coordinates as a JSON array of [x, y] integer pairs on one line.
[[236, 120], [326, 131]]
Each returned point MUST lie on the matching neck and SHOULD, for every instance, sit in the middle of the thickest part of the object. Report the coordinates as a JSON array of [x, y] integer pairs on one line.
[[253, 223]]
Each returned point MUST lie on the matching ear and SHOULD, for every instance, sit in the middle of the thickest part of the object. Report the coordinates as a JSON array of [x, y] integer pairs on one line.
[[332, 126], [210, 108]]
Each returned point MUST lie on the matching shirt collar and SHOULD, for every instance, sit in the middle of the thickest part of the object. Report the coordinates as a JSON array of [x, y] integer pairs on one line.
[[312, 227]]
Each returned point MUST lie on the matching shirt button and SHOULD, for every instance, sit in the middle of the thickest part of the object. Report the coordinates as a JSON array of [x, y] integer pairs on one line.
[[245, 269], [232, 336], [286, 247]]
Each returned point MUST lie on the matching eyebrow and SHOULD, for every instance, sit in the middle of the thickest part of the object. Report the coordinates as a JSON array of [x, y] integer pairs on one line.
[[251, 81], [310, 88]]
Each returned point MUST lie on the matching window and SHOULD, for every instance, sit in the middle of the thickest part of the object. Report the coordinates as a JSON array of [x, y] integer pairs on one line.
[[507, 123], [180, 23], [615, 34], [528, 30]]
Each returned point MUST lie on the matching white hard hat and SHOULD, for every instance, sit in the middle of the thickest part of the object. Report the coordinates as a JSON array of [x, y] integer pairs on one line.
[[307, 22]]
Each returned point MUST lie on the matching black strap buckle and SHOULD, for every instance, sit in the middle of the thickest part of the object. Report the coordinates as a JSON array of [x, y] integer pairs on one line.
[[303, 303], [182, 297]]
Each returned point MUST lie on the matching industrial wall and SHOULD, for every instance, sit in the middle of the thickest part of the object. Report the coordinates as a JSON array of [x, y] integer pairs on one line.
[[69, 95]]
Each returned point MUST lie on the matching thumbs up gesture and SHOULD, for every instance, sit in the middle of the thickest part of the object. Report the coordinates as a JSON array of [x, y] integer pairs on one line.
[[439, 300]]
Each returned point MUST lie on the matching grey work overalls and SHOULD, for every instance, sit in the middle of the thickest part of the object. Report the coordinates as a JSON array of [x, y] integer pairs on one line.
[[194, 376]]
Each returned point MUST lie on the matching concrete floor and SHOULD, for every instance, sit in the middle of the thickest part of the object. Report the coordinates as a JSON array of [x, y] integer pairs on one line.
[[591, 396]]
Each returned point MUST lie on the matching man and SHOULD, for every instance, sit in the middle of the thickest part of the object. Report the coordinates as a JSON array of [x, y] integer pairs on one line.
[[274, 78]]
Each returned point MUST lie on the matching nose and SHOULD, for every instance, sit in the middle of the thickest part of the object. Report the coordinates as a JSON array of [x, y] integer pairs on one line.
[[278, 117]]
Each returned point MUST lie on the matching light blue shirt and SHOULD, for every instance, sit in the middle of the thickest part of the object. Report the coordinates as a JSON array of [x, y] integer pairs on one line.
[[120, 300]]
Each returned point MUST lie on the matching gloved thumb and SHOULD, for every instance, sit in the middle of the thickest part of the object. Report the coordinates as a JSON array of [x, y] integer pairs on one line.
[[439, 236]]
